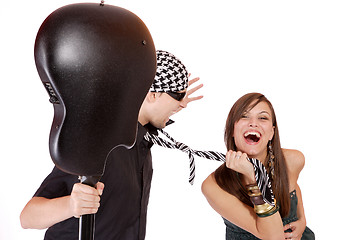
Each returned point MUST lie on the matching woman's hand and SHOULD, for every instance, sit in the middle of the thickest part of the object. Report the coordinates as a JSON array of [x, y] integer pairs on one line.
[[297, 228], [238, 161]]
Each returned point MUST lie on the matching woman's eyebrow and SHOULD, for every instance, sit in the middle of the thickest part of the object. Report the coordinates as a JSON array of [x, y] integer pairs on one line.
[[264, 112]]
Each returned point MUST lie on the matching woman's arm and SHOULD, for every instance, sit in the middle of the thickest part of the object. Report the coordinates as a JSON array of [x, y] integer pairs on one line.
[[41, 213], [240, 214], [295, 162], [300, 207]]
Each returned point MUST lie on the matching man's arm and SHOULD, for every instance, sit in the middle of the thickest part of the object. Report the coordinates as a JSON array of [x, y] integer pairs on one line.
[[41, 213]]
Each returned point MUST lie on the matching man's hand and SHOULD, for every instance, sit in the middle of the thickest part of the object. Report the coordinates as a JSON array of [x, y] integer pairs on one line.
[[85, 199], [187, 99]]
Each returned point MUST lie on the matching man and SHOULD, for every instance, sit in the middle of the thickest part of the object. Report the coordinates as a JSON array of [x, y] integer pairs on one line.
[[120, 206]]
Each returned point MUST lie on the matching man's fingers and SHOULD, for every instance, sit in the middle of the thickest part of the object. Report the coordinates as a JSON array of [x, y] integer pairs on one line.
[[100, 187], [192, 90], [195, 98], [194, 80]]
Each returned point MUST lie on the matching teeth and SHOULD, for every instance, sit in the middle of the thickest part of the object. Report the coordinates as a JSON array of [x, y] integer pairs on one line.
[[252, 133]]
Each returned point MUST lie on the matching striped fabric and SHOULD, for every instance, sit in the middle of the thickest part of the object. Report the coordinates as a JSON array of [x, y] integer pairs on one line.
[[181, 146], [261, 175], [263, 181]]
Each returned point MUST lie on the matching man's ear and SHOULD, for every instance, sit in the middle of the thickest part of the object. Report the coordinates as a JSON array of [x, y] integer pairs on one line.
[[151, 97]]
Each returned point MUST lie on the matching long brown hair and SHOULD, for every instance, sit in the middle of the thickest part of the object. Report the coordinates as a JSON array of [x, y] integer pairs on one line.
[[229, 180]]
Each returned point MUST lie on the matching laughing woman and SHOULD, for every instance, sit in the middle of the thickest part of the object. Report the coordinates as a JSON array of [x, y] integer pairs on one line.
[[233, 191]]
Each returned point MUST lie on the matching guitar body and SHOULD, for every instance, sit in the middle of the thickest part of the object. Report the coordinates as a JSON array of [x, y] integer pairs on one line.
[[97, 63]]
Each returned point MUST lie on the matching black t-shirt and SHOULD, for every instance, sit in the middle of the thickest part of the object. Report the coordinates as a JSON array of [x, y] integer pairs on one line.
[[123, 205]]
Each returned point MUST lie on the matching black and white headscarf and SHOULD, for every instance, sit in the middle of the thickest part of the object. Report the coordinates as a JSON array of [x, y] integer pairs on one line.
[[171, 74]]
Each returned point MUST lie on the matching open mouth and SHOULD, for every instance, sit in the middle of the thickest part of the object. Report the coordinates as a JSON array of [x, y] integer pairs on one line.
[[252, 137]]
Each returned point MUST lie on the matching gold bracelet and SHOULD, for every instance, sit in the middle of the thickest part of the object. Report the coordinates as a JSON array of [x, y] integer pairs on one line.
[[264, 208], [255, 194], [261, 208], [252, 187], [271, 212], [253, 190]]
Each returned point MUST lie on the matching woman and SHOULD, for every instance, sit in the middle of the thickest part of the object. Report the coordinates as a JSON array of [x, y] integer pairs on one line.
[[251, 132]]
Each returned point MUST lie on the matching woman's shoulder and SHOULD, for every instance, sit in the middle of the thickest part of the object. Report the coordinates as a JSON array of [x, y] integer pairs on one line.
[[211, 189], [295, 160], [208, 184]]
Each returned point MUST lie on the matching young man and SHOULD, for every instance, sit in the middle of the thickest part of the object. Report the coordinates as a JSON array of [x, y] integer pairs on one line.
[[121, 197]]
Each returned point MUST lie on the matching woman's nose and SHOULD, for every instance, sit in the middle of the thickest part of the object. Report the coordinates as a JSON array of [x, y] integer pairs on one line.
[[253, 122]]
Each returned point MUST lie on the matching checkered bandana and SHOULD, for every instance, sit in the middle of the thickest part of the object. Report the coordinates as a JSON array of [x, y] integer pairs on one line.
[[171, 74]]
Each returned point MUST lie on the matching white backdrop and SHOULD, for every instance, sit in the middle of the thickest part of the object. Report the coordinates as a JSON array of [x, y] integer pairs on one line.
[[303, 55]]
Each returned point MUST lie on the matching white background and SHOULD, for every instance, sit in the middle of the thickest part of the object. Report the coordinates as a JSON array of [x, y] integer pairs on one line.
[[303, 55]]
